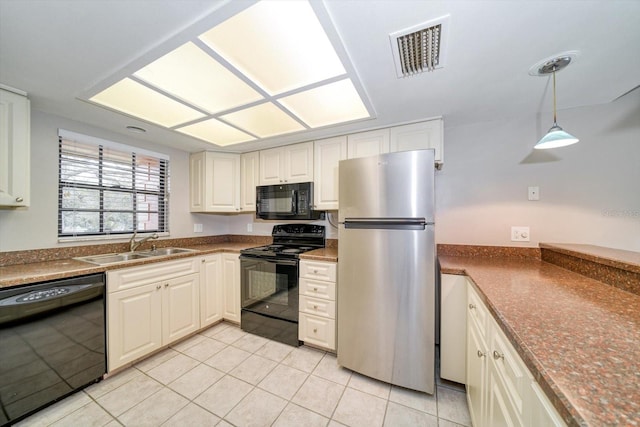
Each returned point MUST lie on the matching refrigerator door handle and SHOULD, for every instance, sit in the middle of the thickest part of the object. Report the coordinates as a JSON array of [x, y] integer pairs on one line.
[[386, 223]]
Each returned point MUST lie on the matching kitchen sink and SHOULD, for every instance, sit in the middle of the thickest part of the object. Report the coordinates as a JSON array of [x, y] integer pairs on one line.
[[130, 256], [166, 251]]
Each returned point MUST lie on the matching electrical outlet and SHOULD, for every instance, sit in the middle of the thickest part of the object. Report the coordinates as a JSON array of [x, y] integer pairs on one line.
[[250, 227], [197, 228], [519, 234], [534, 193]]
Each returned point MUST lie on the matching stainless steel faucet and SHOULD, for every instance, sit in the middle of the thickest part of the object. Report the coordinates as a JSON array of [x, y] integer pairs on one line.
[[133, 245]]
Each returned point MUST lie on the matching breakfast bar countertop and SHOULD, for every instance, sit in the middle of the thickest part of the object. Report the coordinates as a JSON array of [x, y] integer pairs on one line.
[[579, 337]]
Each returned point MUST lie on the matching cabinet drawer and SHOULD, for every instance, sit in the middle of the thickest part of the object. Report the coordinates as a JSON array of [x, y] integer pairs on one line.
[[318, 331], [477, 311], [317, 288], [318, 307], [127, 278], [509, 368], [318, 270]]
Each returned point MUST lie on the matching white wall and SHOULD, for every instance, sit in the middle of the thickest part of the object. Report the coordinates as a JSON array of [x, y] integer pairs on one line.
[[589, 192], [36, 227]]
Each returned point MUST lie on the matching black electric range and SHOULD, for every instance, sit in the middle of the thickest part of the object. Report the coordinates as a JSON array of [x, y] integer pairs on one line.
[[269, 281]]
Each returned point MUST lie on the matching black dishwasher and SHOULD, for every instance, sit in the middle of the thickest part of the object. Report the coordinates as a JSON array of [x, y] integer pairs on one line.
[[52, 342]]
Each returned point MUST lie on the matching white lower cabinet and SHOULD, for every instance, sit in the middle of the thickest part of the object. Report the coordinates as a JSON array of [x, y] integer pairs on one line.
[[318, 304], [453, 327], [501, 390], [219, 288], [231, 285], [149, 307], [152, 306]]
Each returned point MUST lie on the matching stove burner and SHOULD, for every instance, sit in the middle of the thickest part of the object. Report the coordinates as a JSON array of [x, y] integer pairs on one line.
[[292, 251]]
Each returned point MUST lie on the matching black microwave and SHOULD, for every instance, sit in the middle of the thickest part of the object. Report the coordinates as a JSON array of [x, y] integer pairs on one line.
[[286, 201]]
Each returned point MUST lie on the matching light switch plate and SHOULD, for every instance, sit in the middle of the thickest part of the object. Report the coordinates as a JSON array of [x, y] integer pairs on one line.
[[534, 193], [197, 228]]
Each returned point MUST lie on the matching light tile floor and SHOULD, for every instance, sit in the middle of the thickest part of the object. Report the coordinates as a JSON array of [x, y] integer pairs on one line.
[[226, 377]]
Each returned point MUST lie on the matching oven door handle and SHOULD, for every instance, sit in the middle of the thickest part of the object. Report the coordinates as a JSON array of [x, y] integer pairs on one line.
[[269, 260]]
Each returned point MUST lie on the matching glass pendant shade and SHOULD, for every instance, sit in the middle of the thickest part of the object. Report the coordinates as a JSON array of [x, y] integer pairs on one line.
[[556, 137]]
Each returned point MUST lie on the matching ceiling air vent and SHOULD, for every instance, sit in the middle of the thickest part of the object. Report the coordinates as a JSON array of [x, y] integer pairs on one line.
[[419, 48]]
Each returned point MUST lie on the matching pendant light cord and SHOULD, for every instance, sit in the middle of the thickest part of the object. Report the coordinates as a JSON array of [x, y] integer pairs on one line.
[[555, 123]]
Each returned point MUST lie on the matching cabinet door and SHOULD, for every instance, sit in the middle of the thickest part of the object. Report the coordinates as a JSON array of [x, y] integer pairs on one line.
[[500, 412], [298, 160], [15, 143], [196, 182], [211, 292], [222, 182], [418, 136], [476, 371], [453, 327], [134, 323], [541, 411], [231, 274], [326, 158], [366, 144], [271, 166], [180, 307], [249, 179]]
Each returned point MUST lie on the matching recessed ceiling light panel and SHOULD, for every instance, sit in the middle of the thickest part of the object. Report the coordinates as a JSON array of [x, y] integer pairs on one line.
[[194, 76], [264, 120], [216, 132], [327, 105], [133, 98], [280, 45]]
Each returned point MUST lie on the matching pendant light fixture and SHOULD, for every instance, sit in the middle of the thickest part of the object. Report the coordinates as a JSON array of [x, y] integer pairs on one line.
[[556, 137]]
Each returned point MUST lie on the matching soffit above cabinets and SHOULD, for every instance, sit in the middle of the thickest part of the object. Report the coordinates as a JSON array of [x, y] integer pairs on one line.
[[273, 68]]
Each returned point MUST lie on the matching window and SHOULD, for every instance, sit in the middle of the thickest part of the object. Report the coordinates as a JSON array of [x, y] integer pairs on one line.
[[107, 188]]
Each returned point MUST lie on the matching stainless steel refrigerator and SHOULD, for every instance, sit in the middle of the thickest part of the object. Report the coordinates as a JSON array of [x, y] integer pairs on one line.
[[386, 265]]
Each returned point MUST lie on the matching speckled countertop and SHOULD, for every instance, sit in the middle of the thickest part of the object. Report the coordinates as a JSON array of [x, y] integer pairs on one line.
[[32, 272], [579, 337]]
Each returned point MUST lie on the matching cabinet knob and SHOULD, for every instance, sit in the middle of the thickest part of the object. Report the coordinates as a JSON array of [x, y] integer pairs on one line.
[[497, 355], [481, 354], [19, 199], [315, 330], [315, 271], [472, 306], [158, 286], [166, 285], [315, 289], [315, 307], [202, 261]]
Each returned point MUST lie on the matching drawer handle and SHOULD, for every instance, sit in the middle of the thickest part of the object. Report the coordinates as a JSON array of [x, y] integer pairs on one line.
[[497, 355], [472, 306], [481, 354]]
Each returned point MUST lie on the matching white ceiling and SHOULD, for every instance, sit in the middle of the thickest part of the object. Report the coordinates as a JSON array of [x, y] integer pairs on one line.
[[58, 50]]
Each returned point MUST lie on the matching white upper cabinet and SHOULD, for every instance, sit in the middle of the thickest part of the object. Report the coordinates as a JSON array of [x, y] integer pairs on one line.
[[366, 144], [326, 158], [418, 136], [15, 142], [249, 179], [214, 182], [288, 164]]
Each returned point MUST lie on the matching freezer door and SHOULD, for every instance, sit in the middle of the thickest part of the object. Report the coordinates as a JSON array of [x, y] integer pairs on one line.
[[395, 185], [386, 305]]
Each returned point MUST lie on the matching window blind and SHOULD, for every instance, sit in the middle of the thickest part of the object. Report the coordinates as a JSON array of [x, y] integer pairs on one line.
[[108, 188]]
